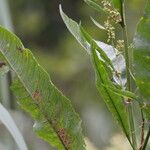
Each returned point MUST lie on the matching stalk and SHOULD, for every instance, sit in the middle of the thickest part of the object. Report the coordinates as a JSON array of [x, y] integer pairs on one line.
[[129, 79]]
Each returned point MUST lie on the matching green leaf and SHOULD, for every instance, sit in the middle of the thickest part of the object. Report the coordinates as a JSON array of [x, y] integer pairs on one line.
[[94, 5], [118, 5], [74, 29], [77, 31], [98, 24], [107, 53], [52, 111], [141, 54], [114, 62], [121, 92], [127, 94], [113, 101], [9, 123], [102, 53]]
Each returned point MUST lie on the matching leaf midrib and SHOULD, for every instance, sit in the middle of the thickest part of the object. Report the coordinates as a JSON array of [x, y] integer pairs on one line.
[[34, 102]]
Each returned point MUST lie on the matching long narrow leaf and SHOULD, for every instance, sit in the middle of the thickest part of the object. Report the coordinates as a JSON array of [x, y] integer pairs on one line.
[[98, 24], [94, 5], [105, 51], [9, 123], [77, 31], [52, 111], [113, 101], [141, 54]]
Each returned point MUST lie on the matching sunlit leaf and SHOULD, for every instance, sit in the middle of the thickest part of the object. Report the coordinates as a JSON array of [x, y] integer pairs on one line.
[[107, 53], [9, 123], [52, 111]]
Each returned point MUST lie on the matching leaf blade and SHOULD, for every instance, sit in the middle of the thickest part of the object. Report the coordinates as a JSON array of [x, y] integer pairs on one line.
[[94, 5], [43, 92], [112, 100], [141, 54]]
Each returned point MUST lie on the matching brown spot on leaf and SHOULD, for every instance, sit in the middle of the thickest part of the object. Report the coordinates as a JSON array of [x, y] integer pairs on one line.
[[20, 49], [64, 137], [37, 96], [2, 64]]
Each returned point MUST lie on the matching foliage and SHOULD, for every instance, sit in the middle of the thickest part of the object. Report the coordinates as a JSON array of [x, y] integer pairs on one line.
[[56, 120], [116, 91], [117, 69], [141, 54]]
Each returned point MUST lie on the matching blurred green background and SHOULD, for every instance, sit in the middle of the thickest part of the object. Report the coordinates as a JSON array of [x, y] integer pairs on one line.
[[40, 27]]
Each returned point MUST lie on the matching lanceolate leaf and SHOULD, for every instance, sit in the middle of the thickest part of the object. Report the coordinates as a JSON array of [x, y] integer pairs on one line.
[[94, 5], [52, 111], [98, 24], [141, 54], [103, 64], [106, 52], [113, 101], [77, 31]]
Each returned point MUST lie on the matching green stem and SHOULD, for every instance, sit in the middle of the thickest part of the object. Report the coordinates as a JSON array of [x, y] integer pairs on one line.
[[129, 79], [147, 139]]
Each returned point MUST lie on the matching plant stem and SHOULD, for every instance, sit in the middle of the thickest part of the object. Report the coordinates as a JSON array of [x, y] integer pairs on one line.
[[147, 139], [129, 85]]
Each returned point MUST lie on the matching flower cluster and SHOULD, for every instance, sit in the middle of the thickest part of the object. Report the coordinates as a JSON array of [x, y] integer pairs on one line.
[[120, 44], [113, 13], [110, 30]]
